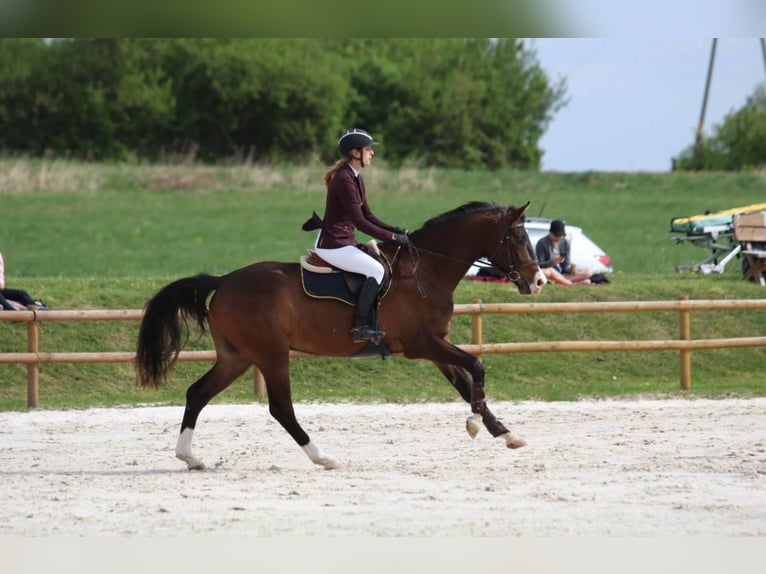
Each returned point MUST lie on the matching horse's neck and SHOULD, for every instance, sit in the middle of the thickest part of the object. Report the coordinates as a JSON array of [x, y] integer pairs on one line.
[[463, 241], [448, 253]]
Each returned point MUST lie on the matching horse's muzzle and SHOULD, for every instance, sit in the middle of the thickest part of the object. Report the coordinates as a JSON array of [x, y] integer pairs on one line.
[[531, 286], [538, 282]]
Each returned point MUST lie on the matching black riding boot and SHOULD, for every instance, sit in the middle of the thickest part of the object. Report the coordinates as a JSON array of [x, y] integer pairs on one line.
[[364, 327]]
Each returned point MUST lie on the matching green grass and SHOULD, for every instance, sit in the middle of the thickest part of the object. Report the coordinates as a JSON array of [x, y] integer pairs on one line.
[[84, 236]]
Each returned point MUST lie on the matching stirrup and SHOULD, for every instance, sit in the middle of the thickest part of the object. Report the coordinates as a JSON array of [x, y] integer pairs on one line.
[[366, 333]]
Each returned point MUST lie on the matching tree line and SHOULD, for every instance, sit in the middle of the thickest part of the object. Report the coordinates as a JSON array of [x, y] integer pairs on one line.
[[477, 103], [738, 143]]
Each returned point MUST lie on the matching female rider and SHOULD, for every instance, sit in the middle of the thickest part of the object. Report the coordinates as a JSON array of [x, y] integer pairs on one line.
[[346, 209]]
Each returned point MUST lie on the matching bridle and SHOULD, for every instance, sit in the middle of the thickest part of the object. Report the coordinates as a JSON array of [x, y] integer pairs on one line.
[[511, 273]]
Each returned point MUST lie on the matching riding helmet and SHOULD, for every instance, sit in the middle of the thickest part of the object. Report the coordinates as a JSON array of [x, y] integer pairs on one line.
[[354, 139]]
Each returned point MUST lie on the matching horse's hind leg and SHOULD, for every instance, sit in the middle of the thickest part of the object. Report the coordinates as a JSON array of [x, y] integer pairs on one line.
[[460, 379], [277, 376], [220, 376]]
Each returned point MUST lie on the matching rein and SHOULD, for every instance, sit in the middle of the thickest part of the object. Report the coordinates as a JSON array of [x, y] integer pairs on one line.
[[415, 260], [512, 274]]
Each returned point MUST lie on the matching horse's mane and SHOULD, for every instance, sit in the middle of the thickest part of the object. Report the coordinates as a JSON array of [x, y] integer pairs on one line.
[[460, 212]]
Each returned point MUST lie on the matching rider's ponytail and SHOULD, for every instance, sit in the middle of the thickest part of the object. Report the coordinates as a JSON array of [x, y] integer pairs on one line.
[[333, 170]]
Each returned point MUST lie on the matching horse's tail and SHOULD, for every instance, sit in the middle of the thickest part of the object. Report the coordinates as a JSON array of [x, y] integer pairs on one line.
[[165, 316]]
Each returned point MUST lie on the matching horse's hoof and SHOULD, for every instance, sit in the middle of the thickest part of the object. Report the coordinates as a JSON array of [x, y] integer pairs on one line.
[[330, 464], [473, 425], [512, 441], [192, 463], [316, 456]]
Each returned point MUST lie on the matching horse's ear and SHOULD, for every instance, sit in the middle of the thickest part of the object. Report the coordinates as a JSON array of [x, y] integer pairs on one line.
[[520, 211]]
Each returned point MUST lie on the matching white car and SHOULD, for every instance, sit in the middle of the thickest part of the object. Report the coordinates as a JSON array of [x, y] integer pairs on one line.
[[584, 253]]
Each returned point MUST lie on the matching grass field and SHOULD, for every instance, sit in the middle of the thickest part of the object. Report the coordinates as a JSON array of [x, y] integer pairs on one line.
[[102, 236]]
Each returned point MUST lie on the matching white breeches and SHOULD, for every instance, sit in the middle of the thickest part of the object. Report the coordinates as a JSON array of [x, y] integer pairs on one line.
[[350, 258]]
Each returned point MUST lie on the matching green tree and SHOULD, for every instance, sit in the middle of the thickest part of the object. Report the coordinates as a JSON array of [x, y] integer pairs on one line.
[[453, 102], [441, 101], [262, 98], [738, 143], [20, 63], [86, 98]]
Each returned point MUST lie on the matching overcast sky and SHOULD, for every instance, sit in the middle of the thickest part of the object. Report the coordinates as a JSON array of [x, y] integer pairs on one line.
[[634, 103]]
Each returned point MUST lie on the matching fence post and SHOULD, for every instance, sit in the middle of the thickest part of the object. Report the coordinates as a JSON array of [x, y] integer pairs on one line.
[[259, 383], [685, 355], [33, 369], [477, 336]]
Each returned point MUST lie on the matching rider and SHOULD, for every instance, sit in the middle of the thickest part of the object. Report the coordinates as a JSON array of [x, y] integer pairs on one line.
[[346, 209]]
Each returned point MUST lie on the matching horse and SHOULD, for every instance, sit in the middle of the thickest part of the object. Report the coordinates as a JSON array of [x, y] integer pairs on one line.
[[259, 313]]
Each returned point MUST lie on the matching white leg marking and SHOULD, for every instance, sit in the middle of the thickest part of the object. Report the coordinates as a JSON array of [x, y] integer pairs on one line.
[[473, 425], [183, 450], [512, 441], [316, 456]]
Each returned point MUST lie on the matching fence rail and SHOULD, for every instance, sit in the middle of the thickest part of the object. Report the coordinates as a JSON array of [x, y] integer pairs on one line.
[[33, 358]]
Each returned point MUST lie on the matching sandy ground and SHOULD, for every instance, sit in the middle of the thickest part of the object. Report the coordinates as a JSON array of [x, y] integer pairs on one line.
[[611, 468]]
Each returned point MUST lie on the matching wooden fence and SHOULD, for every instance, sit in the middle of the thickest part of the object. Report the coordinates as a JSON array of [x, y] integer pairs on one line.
[[33, 358]]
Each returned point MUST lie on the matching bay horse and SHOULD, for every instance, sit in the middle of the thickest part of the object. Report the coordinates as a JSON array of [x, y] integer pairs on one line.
[[260, 312]]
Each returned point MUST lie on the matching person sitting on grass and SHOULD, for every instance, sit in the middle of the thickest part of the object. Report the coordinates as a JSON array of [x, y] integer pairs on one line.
[[13, 299], [553, 258]]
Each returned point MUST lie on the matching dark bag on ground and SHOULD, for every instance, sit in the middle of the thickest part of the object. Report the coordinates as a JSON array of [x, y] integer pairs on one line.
[[490, 272]]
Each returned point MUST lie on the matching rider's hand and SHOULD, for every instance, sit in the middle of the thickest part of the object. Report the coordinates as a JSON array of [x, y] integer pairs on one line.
[[401, 239]]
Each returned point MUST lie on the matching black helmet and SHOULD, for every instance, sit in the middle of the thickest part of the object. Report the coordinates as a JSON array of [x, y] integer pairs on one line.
[[558, 228], [354, 139]]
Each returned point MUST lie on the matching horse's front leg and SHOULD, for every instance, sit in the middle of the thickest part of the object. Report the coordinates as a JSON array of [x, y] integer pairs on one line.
[[460, 379], [472, 391], [498, 430]]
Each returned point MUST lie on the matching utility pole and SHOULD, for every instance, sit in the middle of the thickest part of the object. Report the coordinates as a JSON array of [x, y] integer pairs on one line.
[[698, 149], [701, 125], [763, 49]]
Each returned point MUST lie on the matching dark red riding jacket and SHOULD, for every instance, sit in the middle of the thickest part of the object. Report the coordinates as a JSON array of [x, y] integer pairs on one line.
[[346, 209]]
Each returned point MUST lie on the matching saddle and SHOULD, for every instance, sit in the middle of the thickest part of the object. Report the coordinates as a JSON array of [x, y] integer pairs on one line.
[[323, 281]]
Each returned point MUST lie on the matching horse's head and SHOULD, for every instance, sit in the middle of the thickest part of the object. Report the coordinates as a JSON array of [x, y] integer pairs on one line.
[[514, 254]]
